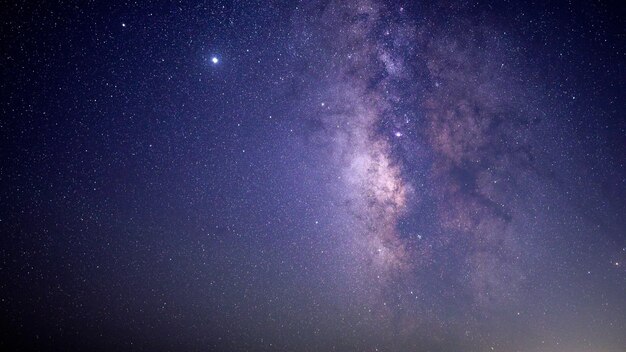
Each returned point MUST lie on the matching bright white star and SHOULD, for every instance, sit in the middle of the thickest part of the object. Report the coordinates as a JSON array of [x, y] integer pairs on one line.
[[215, 60]]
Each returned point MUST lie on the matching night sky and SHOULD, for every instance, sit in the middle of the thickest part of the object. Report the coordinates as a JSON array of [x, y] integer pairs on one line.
[[337, 175]]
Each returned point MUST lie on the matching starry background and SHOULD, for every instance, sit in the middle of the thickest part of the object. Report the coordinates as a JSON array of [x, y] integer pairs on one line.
[[353, 175]]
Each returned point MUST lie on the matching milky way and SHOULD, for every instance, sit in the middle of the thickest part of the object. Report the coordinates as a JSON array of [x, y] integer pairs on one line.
[[464, 116], [434, 121], [328, 175]]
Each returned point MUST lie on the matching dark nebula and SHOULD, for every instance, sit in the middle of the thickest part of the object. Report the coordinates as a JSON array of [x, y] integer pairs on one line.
[[313, 176]]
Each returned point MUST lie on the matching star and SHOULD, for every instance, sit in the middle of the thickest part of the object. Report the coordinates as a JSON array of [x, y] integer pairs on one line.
[[215, 60]]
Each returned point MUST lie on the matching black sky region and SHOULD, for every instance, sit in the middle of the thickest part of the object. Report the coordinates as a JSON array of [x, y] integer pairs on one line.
[[354, 175]]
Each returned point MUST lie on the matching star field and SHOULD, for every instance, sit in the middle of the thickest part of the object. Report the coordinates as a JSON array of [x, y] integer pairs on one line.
[[356, 175]]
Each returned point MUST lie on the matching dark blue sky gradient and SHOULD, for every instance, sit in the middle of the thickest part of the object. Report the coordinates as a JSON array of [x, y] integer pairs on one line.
[[349, 176]]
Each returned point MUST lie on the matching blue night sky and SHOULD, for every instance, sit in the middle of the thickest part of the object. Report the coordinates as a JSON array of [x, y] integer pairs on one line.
[[335, 175]]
